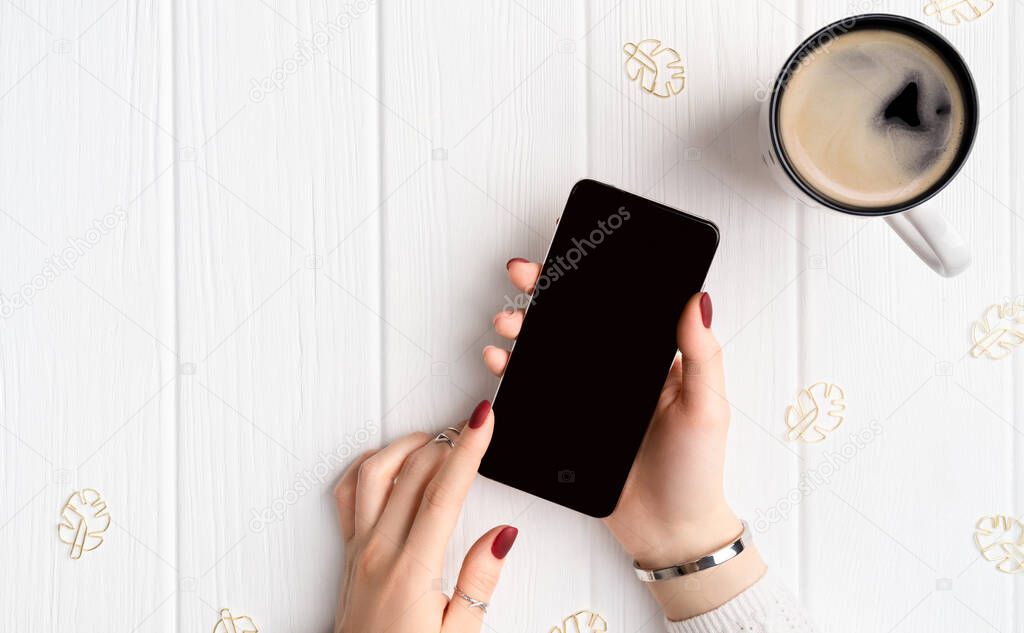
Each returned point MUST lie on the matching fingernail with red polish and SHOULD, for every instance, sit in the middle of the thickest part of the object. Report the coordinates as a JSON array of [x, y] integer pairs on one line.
[[479, 414], [706, 309], [503, 542], [515, 260]]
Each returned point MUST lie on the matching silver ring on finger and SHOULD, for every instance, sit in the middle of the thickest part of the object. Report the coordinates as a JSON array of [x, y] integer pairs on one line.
[[454, 430], [473, 602], [441, 437]]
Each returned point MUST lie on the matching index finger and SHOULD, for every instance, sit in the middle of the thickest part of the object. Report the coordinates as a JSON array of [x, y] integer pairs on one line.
[[444, 495], [523, 273]]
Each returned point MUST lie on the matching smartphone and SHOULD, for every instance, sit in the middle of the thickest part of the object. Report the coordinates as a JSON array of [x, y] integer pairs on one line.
[[596, 345]]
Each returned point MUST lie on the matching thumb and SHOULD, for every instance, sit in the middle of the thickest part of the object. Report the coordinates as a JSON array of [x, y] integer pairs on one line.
[[477, 580], [702, 375]]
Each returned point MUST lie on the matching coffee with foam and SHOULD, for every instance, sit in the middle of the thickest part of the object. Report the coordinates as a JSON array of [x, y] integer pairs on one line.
[[872, 119]]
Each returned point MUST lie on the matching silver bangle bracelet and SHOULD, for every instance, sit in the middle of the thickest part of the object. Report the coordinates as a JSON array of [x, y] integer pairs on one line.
[[713, 559]]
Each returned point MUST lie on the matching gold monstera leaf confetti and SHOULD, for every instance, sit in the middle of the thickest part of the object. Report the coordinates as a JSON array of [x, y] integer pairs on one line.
[[999, 330], [1000, 539], [659, 69], [818, 411], [84, 519], [230, 624], [954, 12], [582, 622]]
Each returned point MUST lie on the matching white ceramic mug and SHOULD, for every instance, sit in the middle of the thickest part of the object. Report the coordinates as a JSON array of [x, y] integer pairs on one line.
[[922, 228]]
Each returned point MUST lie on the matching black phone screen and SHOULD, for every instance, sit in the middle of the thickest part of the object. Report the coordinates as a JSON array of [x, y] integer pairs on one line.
[[598, 340]]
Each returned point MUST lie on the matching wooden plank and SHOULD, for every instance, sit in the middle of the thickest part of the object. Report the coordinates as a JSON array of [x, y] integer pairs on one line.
[[894, 335], [483, 136], [697, 151], [87, 336], [279, 287], [1015, 104]]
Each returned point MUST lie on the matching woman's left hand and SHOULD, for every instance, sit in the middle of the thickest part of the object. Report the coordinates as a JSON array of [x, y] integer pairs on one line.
[[397, 508]]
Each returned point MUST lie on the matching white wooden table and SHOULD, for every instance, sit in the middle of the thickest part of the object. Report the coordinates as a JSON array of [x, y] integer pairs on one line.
[[313, 243]]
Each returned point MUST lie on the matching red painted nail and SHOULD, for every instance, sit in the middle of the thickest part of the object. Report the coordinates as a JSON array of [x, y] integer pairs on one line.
[[515, 260], [479, 414], [503, 542], [705, 309]]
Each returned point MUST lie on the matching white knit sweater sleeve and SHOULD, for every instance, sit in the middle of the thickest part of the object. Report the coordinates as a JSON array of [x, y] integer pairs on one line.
[[766, 607]]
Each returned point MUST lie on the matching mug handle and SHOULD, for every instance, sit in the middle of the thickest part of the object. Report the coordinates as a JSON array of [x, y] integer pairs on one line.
[[934, 240]]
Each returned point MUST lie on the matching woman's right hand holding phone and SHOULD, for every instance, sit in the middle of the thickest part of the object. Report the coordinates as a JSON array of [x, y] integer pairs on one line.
[[672, 508]]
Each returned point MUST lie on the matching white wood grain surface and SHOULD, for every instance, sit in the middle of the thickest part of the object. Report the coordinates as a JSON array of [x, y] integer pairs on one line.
[[319, 199]]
